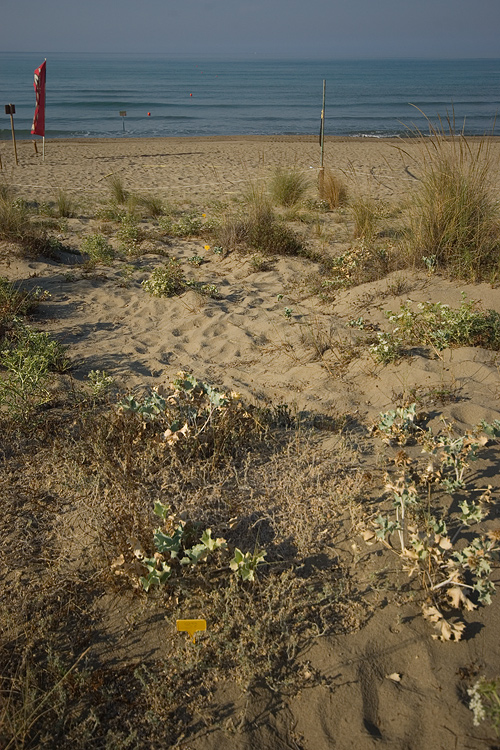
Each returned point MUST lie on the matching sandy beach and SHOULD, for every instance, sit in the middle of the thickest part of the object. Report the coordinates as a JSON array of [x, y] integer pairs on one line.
[[384, 681], [199, 168]]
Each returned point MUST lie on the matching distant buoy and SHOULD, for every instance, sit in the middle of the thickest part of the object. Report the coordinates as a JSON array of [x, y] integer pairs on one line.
[[149, 114], [190, 95]]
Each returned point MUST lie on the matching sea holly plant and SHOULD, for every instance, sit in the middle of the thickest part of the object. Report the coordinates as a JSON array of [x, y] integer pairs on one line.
[[151, 406], [455, 455], [440, 551], [179, 544], [244, 564], [192, 415], [182, 545], [398, 425]]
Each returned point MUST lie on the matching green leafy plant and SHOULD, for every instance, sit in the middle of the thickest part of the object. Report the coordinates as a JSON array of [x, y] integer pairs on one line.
[[398, 425], [438, 326], [244, 564], [189, 225], [166, 280], [98, 249], [386, 349], [151, 406], [182, 545], [100, 382], [204, 289], [28, 358], [179, 544], [360, 262], [129, 234], [194, 417], [196, 260]]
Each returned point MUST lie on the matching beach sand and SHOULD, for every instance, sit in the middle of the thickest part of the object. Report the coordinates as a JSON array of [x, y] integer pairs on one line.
[[200, 168], [244, 342]]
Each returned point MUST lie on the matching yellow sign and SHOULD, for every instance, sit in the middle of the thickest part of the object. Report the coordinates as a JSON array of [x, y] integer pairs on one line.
[[191, 627]]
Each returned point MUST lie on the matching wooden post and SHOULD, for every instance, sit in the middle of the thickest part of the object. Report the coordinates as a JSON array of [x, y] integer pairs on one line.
[[321, 175], [14, 137], [10, 109], [35, 147]]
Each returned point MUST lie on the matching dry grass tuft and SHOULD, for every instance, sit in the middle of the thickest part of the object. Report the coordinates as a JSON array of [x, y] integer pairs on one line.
[[333, 190]]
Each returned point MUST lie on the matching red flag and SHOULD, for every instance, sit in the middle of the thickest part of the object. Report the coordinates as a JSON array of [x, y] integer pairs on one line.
[[38, 127]]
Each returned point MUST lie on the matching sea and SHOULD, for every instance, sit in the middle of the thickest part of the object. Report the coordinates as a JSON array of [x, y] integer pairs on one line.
[[87, 96]]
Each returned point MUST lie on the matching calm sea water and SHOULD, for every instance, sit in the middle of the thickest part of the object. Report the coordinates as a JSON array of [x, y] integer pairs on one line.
[[85, 95]]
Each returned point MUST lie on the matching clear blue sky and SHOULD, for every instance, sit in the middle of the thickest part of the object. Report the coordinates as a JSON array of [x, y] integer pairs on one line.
[[255, 28]]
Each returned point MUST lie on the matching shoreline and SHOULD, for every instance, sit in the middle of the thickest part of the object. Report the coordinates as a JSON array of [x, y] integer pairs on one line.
[[285, 138]]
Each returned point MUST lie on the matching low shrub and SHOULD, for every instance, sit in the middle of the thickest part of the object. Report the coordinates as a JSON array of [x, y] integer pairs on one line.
[[166, 280], [438, 326], [97, 248], [28, 357]]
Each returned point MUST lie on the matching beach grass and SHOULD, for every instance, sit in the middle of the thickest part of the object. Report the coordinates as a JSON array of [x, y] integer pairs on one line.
[[288, 186], [454, 218]]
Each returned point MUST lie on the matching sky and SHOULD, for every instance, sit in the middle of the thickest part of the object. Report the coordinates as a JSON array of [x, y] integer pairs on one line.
[[289, 29]]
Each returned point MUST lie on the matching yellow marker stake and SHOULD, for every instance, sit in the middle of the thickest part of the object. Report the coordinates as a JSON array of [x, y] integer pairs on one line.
[[191, 626]]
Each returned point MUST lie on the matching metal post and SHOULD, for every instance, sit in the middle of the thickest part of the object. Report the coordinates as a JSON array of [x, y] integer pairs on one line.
[[323, 126], [321, 175]]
